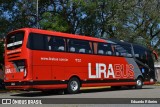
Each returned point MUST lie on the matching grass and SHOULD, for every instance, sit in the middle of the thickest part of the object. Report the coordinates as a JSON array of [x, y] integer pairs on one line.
[[157, 83]]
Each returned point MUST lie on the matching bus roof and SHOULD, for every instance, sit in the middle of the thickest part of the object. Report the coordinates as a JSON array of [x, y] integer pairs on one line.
[[75, 36], [67, 35]]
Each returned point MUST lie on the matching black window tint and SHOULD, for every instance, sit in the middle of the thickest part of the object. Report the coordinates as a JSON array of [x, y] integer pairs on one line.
[[140, 53], [37, 41], [79, 46], [123, 50], [46, 42], [104, 49], [15, 40], [56, 44], [150, 59]]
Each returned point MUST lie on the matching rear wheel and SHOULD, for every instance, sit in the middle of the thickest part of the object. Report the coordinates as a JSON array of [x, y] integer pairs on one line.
[[73, 86], [139, 83]]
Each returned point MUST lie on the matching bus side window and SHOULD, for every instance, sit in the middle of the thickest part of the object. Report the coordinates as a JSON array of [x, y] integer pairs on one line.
[[117, 50], [37, 41], [140, 53], [79, 46], [122, 49], [150, 59], [128, 50], [104, 49], [56, 44]]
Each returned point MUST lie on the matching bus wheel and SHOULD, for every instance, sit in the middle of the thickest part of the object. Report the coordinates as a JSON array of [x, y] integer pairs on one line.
[[73, 86], [139, 83]]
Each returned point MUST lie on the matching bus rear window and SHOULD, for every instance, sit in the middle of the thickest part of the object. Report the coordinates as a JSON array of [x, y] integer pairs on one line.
[[15, 40]]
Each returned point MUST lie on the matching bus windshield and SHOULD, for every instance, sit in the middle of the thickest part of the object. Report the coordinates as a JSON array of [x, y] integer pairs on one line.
[[15, 40]]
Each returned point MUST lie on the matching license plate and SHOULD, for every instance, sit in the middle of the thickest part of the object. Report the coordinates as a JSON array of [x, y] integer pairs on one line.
[[12, 83]]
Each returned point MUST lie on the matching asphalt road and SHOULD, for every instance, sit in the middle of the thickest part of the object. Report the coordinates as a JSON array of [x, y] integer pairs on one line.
[[146, 92]]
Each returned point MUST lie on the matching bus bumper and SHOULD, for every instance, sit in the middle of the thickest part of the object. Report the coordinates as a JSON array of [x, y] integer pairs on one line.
[[29, 85], [18, 85], [149, 83]]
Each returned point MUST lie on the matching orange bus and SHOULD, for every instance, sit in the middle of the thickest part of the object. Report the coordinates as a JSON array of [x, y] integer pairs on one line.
[[44, 60]]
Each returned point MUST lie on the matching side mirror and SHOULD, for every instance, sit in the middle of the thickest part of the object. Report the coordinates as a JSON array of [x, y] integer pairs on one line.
[[155, 54]]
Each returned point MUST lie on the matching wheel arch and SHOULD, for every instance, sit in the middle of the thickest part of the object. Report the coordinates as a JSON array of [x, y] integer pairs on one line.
[[75, 76], [140, 76]]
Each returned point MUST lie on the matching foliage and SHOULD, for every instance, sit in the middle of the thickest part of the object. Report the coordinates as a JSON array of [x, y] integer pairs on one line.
[[1, 52], [134, 21]]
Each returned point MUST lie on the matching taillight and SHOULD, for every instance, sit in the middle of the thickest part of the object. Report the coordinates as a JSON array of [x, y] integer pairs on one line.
[[20, 66], [25, 72]]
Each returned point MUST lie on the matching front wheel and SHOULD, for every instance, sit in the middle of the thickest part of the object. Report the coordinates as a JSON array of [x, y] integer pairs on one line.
[[139, 83], [73, 86]]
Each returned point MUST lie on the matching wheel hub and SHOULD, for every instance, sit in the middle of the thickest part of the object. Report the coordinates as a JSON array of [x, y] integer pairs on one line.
[[139, 82], [74, 85]]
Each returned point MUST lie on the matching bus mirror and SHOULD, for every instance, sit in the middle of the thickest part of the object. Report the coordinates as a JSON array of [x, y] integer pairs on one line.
[[156, 55]]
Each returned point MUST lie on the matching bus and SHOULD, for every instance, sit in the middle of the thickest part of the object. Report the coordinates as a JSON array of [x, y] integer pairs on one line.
[[46, 60]]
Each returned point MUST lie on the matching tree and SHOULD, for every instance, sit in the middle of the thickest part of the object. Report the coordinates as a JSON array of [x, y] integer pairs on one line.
[[134, 21], [143, 23], [1, 53]]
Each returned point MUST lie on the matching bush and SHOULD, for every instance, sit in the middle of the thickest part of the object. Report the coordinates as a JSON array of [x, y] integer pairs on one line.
[[1, 53]]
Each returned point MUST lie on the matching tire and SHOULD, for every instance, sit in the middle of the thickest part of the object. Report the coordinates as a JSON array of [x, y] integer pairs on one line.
[[73, 86], [139, 83]]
